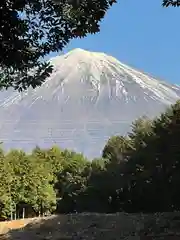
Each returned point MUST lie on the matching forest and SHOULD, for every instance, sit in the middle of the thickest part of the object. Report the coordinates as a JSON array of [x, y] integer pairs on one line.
[[139, 172]]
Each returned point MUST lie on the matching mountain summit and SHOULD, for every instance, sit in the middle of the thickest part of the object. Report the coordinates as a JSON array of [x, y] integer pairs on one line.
[[89, 97]]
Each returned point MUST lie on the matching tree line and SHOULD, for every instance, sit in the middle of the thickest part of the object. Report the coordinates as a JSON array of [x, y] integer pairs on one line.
[[139, 172]]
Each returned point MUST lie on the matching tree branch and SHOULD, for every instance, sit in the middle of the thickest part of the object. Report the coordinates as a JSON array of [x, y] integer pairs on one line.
[[167, 3]]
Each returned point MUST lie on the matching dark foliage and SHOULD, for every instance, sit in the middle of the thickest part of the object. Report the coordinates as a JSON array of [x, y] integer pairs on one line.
[[31, 29], [173, 3]]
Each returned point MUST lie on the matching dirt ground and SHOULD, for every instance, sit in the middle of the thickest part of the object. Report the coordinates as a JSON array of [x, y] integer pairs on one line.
[[94, 226]]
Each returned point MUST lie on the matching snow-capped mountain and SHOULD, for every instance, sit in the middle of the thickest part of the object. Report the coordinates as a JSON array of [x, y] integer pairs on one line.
[[88, 98]]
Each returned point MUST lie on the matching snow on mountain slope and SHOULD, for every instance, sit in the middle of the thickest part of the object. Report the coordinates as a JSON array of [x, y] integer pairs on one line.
[[88, 98]]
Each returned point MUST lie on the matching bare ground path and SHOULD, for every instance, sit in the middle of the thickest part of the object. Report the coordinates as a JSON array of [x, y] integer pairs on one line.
[[94, 226]]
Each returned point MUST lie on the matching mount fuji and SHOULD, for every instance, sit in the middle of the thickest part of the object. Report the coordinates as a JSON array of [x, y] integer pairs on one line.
[[88, 98]]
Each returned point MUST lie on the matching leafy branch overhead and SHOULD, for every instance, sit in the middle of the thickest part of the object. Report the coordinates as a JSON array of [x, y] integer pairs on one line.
[[31, 29], [174, 3]]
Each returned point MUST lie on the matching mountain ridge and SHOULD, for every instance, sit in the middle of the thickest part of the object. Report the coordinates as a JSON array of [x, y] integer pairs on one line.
[[89, 97]]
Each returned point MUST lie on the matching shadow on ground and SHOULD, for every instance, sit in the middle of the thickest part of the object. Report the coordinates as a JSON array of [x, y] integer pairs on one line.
[[100, 226]]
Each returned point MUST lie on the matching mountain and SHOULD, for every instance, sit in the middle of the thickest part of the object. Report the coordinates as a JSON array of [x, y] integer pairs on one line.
[[88, 98]]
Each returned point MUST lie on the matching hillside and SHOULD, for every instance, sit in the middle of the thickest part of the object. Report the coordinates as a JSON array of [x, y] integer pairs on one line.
[[100, 226]]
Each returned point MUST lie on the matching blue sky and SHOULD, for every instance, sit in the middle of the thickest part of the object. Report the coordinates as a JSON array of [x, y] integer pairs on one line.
[[142, 34]]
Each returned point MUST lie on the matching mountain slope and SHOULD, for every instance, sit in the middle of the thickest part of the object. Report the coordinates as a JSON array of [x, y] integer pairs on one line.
[[89, 97]]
